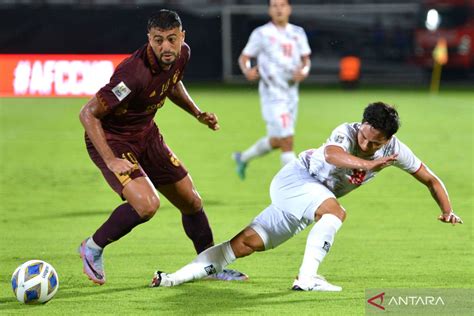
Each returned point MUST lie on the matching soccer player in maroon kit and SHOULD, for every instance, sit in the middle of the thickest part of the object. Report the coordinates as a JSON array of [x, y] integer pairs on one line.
[[126, 145]]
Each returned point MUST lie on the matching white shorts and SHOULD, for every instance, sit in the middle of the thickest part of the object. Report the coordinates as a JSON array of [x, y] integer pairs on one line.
[[275, 226], [295, 198], [279, 112], [280, 119], [294, 191]]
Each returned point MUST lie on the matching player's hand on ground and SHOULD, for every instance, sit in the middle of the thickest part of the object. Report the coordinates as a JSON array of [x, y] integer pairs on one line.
[[382, 162], [209, 119], [450, 217], [252, 74], [121, 166]]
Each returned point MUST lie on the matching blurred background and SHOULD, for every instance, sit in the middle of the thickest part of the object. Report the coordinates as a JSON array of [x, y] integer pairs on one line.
[[394, 40]]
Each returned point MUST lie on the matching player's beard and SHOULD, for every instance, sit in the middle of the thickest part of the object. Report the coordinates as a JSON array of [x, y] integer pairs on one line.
[[167, 62]]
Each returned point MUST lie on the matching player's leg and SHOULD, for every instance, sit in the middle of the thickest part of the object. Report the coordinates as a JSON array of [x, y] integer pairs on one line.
[[142, 203], [286, 146], [185, 197], [286, 130], [171, 178], [294, 191], [262, 146], [329, 217], [269, 229]]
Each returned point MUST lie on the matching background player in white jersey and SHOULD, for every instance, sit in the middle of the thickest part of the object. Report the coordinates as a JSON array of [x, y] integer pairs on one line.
[[283, 60], [306, 191]]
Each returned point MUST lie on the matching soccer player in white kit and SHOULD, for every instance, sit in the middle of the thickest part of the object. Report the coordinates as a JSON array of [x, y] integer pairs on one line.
[[306, 191], [283, 61]]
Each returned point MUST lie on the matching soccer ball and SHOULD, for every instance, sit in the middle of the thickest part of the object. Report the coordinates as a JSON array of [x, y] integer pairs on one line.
[[35, 281]]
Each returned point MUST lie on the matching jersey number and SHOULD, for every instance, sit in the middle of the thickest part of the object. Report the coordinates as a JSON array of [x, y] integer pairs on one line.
[[285, 119], [287, 49]]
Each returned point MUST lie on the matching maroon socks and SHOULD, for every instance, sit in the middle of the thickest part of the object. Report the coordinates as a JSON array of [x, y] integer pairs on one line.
[[123, 219], [198, 230]]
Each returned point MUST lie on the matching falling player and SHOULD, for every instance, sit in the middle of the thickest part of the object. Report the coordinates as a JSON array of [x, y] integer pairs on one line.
[[306, 191]]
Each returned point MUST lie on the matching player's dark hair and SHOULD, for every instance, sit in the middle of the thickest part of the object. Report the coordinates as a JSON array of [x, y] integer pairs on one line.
[[382, 117], [289, 2], [164, 20]]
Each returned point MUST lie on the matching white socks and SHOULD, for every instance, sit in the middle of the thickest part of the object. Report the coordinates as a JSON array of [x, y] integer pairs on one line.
[[260, 148], [286, 157], [211, 260], [263, 147], [320, 239]]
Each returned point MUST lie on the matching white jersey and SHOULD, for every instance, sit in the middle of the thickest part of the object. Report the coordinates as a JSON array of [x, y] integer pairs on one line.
[[341, 181], [278, 52]]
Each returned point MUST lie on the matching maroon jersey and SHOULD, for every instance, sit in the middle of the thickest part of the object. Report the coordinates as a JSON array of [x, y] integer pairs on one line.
[[136, 90]]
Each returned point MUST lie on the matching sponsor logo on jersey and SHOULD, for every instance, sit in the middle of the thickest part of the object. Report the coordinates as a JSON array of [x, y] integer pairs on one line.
[[153, 107], [121, 91], [339, 139]]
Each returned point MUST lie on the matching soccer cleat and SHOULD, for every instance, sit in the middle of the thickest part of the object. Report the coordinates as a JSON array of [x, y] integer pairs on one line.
[[161, 279], [318, 283], [93, 263], [240, 165], [229, 275]]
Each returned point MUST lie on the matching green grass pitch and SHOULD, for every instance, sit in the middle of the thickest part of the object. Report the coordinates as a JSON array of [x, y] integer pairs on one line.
[[52, 197]]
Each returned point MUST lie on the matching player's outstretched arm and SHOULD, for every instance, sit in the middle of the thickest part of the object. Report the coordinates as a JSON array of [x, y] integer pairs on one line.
[[180, 96], [439, 193], [338, 157]]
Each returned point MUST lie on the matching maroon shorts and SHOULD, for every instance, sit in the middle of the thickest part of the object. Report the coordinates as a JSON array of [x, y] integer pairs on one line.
[[149, 152]]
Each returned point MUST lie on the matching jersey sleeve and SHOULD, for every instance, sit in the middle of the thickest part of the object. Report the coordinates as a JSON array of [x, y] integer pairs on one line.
[[303, 43], [406, 159], [122, 87], [341, 136], [186, 53], [254, 45]]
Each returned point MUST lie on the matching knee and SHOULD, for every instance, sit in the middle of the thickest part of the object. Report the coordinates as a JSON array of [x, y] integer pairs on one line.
[[148, 207], [275, 142], [192, 206], [286, 144], [339, 213]]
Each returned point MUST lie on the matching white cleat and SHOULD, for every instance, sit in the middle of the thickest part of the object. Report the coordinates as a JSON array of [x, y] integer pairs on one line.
[[318, 283], [161, 279]]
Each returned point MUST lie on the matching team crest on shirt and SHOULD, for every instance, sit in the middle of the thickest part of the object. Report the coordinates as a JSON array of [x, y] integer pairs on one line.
[[121, 91], [339, 139], [174, 160], [357, 176]]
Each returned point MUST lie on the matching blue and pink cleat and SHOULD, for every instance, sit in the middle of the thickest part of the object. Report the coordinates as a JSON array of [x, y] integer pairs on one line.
[[93, 263]]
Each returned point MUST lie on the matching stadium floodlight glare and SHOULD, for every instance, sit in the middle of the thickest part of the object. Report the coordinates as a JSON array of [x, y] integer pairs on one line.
[[432, 20]]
